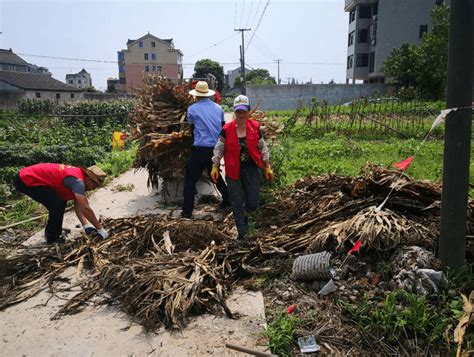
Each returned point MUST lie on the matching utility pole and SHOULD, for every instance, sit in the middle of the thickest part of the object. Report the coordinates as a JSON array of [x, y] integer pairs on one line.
[[243, 88], [278, 61], [457, 137]]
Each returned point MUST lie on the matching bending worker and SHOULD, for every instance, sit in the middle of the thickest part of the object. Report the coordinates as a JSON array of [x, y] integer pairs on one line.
[[53, 185], [245, 152], [207, 118]]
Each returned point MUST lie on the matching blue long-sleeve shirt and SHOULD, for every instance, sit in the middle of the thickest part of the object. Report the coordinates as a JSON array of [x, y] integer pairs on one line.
[[207, 118]]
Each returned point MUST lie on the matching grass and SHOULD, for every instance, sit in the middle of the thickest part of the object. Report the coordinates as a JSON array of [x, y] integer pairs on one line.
[[281, 334], [19, 211]]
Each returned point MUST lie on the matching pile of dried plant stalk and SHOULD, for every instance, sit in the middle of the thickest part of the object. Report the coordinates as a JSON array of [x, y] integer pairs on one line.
[[333, 212], [159, 123], [161, 270]]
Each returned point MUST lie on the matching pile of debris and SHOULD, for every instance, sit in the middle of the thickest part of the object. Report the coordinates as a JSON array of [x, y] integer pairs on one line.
[[159, 123], [161, 269]]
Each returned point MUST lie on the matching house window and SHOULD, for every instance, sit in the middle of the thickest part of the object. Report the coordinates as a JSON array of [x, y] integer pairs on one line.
[[439, 2], [423, 30], [120, 56], [350, 61], [351, 39], [362, 36], [373, 33], [362, 60], [72, 95], [147, 68], [140, 44], [153, 56], [365, 11], [153, 68], [153, 44], [146, 56], [158, 68], [122, 80], [371, 62], [352, 16], [37, 95], [121, 68], [71, 81], [79, 81], [58, 95]]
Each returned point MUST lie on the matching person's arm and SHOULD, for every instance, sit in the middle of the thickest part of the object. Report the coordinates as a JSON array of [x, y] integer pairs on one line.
[[85, 214], [263, 148], [218, 151]]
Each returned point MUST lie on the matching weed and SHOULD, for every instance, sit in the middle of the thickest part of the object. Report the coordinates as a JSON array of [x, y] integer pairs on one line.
[[401, 316], [21, 210], [281, 334], [124, 188]]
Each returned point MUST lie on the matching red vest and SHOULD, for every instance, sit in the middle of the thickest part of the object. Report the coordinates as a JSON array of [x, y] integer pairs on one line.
[[52, 176], [232, 147]]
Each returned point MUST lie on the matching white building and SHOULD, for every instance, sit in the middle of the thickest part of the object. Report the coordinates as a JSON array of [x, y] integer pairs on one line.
[[81, 80]]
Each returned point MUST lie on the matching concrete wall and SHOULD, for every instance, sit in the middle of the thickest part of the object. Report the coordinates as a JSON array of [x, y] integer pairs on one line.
[[9, 99], [273, 97], [105, 96]]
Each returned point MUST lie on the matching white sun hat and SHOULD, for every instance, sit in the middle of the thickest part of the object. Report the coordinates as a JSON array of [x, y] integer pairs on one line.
[[241, 102], [202, 90]]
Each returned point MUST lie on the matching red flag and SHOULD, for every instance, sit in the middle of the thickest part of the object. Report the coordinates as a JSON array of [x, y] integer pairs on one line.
[[292, 308], [355, 248], [404, 164]]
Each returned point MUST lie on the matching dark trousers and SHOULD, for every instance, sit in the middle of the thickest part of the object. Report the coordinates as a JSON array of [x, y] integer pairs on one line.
[[244, 196], [200, 159], [50, 199]]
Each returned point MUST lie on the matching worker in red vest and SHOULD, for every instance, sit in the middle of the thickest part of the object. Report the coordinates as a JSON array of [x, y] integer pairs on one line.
[[244, 150], [53, 185]]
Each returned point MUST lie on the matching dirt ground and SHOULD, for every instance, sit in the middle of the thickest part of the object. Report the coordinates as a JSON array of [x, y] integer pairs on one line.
[[27, 328]]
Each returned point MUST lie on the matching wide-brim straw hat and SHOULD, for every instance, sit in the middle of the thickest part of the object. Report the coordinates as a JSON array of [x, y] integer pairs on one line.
[[96, 174], [202, 90]]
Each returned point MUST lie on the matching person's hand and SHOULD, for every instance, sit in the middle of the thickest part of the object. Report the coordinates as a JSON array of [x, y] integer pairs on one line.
[[269, 175], [88, 228], [103, 233], [215, 173]]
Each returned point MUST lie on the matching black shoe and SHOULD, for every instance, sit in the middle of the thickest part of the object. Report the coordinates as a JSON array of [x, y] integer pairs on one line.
[[224, 205], [186, 215], [56, 240]]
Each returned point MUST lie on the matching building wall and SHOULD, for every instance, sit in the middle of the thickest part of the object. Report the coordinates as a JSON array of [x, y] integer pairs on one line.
[[398, 23], [81, 81], [134, 62], [275, 97], [9, 99], [51, 95]]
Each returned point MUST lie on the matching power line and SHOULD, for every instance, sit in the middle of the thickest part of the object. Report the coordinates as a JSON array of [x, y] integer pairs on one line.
[[213, 45], [250, 12], [242, 13], [258, 24], [235, 13], [256, 13]]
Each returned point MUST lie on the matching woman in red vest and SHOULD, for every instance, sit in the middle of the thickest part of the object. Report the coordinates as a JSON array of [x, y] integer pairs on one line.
[[245, 153], [53, 185]]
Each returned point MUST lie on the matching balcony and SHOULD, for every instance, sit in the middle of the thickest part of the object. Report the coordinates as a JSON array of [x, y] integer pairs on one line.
[[350, 5]]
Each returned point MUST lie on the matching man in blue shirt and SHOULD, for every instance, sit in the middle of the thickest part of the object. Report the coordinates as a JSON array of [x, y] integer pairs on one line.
[[207, 118]]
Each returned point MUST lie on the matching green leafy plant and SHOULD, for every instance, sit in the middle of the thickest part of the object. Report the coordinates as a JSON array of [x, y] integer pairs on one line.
[[281, 334]]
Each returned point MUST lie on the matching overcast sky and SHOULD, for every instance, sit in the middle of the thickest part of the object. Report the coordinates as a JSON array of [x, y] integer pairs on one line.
[[310, 36]]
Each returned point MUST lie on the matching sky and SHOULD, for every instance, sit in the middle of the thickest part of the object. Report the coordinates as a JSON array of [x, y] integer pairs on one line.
[[309, 36]]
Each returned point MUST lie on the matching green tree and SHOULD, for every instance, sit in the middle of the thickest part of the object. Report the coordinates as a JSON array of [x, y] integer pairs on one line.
[[260, 76], [206, 66], [423, 66]]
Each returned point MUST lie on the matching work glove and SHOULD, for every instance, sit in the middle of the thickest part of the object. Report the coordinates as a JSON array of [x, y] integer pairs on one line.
[[103, 233], [215, 173], [269, 175], [89, 228]]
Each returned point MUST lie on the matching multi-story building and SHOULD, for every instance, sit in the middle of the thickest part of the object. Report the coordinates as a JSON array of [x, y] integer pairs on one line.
[[80, 80], [145, 55], [376, 27], [232, 75]]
